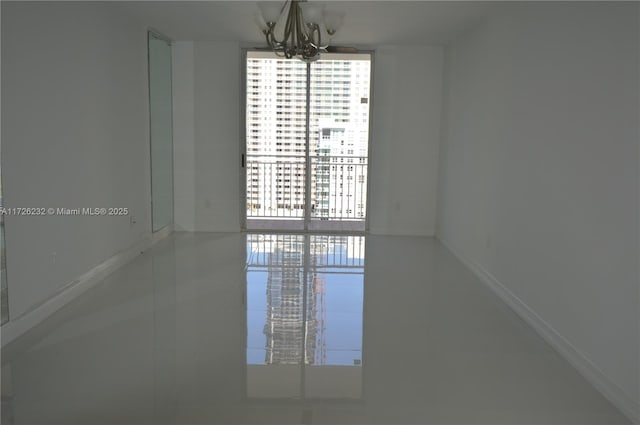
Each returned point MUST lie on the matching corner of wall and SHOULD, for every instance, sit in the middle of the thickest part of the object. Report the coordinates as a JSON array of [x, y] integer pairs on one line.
[[444, 133]]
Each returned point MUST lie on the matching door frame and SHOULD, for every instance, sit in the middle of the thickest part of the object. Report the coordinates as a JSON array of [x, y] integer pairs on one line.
[[243, 140], [151, 32]]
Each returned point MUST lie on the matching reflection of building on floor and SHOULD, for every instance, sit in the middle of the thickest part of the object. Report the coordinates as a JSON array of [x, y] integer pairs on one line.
[[316, 325], [293, 321]]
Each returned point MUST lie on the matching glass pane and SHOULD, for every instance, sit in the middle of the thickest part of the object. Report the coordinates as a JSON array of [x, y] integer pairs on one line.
[[339, 136], [160, 106], [276, 90]]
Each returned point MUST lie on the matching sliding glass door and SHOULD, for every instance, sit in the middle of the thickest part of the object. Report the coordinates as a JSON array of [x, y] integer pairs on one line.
[[307, 138]]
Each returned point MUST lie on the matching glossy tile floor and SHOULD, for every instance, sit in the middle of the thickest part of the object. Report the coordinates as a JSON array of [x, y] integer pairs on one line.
[[292, 329]]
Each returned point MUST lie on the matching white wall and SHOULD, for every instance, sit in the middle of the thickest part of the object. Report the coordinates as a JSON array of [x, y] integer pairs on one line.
[[407, 102], [207, 143], [74, 134], [539, 173]]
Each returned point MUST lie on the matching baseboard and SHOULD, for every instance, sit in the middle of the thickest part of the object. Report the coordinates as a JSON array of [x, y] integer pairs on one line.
[[386, 231], [19, 325], [575, 357]]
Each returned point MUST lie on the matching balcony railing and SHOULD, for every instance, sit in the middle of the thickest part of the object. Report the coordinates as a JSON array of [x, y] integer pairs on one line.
[[278, 251], [277, 186]]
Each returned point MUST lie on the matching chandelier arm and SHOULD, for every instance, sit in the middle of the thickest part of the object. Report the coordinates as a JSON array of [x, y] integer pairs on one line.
[[275, 44], [268, 35], [302, 36], [290, 25], [314, 29], [272, 41]]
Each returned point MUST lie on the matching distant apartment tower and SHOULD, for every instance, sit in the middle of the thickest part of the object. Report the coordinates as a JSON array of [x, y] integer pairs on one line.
[[340, 173], [276, 129]]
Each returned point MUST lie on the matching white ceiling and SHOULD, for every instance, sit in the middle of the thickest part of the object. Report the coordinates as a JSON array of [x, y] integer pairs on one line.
[[365, 22]]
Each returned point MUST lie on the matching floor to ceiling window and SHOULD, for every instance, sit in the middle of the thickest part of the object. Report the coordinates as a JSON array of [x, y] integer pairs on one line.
[[307, 141]]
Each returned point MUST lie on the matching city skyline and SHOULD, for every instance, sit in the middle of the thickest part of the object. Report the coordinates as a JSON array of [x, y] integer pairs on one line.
[[276, 133]]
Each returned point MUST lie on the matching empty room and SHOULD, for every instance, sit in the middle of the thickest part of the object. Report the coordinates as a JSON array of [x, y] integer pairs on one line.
[[306, 212]]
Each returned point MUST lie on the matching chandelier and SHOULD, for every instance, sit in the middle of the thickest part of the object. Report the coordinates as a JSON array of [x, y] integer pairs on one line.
[[302, 33]]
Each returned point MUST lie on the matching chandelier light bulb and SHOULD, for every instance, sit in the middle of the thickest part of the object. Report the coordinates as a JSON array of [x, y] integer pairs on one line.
[[260, 23], [333, 21], [311, 13], [270, 10]]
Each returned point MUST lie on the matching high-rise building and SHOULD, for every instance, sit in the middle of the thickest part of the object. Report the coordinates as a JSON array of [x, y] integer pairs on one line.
[[340, 172]]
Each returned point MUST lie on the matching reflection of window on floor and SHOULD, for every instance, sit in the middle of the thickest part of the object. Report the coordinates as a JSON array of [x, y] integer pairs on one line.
[[304, 309]]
